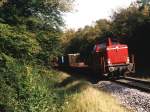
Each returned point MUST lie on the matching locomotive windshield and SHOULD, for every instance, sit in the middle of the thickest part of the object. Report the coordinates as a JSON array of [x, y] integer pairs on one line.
[[98, 47]]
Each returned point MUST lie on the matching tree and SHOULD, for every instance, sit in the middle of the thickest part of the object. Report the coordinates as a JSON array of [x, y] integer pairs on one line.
[[143, 2], [144, 6], [40, 18], [48, 13]]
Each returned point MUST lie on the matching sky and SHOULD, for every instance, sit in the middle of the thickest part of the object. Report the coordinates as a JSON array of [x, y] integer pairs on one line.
[[86, 12]]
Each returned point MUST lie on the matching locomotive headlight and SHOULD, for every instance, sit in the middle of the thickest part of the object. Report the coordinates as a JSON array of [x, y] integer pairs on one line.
[[128, 60], [109, 63], [111, 69]]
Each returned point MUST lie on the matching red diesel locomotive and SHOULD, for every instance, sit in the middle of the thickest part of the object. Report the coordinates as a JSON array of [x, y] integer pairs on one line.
[[112, 59]]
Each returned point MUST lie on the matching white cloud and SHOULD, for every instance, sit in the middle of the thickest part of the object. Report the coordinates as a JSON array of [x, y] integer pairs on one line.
[[89, 11]]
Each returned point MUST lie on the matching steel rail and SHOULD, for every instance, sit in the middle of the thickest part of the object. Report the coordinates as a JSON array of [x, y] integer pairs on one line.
[[134, 83], [137, 80]]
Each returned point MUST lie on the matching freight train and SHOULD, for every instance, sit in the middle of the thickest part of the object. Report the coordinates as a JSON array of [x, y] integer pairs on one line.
[[109, 58]]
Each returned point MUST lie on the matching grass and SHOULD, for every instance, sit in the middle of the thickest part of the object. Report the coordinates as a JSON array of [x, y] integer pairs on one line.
[[82, 97], [29, 88], [32, 88]]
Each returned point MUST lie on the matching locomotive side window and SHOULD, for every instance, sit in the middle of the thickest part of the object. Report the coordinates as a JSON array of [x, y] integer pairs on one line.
[[99, 47]]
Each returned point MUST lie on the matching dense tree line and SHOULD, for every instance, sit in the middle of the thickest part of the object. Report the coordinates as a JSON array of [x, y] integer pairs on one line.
[[36, 21], [130, 26], [30, 31]]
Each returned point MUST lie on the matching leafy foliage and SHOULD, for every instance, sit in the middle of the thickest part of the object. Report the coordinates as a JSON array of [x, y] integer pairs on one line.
[[17, 43], [46, 14], [29, 38], [27, 88], [35, 28]]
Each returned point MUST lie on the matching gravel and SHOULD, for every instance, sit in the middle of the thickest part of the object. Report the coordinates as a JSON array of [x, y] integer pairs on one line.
[[131, 98]]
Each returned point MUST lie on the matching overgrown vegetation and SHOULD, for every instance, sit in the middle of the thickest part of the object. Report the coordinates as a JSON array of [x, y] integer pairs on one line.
[[29, 39], [27, 88]]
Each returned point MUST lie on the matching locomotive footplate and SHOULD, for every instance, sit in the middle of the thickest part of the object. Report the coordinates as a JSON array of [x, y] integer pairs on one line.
[[121, 68]]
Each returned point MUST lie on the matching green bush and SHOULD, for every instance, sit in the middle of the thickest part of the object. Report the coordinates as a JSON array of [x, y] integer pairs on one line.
[[27, 88], [17, 43]]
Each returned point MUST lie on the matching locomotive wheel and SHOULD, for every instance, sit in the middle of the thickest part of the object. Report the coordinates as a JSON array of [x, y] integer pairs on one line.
[[114, 75], [122, 73], [117, 74], [111, 75]]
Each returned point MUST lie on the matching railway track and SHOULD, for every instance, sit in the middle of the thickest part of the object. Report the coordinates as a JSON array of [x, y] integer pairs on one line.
[[134, 83]]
